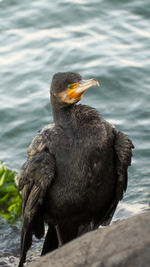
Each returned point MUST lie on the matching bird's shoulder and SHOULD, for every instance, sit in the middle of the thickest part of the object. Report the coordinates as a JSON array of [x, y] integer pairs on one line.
[[40, 160], [84, 114], [90, 122], [46, 137]]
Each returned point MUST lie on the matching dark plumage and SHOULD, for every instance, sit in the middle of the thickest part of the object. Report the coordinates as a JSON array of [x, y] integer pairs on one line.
[[76, 171]]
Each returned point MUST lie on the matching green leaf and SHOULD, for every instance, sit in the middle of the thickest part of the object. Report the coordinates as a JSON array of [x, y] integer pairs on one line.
[[2, 179], [8, 188], [10, 198], [4, 199]]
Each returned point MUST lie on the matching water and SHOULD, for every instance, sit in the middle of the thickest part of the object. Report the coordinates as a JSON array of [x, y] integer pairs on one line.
[[106, 40]]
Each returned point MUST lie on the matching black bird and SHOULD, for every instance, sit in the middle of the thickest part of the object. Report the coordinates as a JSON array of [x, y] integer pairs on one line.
[[76, 171]]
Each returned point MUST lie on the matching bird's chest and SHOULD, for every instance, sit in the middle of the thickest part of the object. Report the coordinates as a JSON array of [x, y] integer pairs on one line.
[[76, 160], [77, 180], [81, 177]]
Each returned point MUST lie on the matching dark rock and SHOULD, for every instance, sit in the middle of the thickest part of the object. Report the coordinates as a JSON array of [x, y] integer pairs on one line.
[[126, 243]]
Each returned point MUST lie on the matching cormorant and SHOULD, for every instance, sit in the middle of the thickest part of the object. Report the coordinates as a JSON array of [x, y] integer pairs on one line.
[[76, 171]]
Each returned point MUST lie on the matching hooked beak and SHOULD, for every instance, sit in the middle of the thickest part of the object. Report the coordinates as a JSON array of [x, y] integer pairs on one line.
[[76, 92], [83, 85]]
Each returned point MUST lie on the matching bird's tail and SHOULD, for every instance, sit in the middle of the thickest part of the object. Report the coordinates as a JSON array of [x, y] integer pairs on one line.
[[36, 227], [26, 241], [51, 240]]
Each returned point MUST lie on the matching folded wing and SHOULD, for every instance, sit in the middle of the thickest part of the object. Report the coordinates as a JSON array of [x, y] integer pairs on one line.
[[123, 148], [36, 175], [123, 153]]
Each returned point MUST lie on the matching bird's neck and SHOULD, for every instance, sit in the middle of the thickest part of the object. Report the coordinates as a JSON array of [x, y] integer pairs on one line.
[[62, 114]]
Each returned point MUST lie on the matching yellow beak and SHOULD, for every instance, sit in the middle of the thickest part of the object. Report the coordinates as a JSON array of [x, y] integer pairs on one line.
[[83, 85], [79, 88]]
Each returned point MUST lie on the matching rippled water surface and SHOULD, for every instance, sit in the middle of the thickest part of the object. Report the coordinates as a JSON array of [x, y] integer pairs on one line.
[[106, 40]]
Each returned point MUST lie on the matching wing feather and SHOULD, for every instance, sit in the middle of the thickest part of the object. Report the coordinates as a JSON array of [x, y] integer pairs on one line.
[[123, 148], [36, 175]]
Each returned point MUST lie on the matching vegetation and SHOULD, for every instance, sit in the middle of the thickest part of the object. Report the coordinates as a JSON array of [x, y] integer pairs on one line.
[[10, 198]]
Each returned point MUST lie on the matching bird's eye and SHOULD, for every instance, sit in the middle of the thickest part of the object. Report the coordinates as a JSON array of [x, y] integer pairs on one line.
[[70, 86]]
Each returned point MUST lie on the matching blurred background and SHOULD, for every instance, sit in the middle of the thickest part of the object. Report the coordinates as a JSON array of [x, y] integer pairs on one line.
[[102, 39]]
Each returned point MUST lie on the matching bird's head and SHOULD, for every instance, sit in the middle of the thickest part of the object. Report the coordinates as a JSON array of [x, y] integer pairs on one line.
[[69, 87]]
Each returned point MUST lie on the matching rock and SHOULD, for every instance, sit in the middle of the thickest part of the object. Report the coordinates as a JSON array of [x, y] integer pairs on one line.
[[126, 243]]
